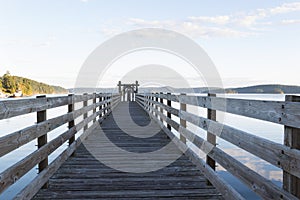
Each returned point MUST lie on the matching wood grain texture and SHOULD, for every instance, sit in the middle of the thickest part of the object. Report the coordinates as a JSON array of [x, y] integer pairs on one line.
[[84, 177], [16, 139], [279, 112], [12, 108], [259, 184]]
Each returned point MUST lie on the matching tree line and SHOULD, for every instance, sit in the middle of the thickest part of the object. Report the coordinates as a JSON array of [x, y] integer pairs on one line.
[[10, 84]]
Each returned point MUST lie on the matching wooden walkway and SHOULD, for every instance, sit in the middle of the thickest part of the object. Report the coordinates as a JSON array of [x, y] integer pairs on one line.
[[83, 176]]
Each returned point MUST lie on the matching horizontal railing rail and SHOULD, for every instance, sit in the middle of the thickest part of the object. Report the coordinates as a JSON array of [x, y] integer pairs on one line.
[[100, 107], [286, 157]]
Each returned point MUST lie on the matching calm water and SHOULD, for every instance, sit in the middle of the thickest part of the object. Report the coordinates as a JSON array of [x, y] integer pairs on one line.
[[260, 128]]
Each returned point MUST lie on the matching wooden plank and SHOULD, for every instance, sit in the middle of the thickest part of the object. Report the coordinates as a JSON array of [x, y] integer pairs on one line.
[[12, 108], [31, 189], [291, 183], [161, 101], [226, 190], [279, 112], [94, 102], [169, 115], [14, 140], [16, 171], [85, 115], [167, 108], [90, 179], [211, 138], [182, 121], [72, 122], [42, 140], [274, 153], [253, 180]]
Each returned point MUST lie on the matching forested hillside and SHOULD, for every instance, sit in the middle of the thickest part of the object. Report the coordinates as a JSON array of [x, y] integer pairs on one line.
[[10, 84]]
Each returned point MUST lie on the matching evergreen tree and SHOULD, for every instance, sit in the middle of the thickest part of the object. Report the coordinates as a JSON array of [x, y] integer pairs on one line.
[[9, 83]]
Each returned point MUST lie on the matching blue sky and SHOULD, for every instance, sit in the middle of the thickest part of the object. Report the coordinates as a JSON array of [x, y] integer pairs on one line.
[[250, 42]]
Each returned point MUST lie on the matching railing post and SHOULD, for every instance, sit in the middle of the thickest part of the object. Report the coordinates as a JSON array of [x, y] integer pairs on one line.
[[85, 103], [149, 103], [156, 106], [161, 109], [104, 106], [109, 104], [211, 138], [100, 107], [72, 122], [168, 113], [94, 110], [182, 121], [42, 140], [291, 183]]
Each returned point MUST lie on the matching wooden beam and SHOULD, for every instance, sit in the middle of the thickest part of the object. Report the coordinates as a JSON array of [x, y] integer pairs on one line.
[[211, 138], [72, 122], [182, 121], [291, 183], [42, 140], [85, 103], [94, 110], [169, 115], [161, 109]]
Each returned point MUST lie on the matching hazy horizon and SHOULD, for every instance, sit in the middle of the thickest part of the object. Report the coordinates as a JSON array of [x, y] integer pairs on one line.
[[250, 43]]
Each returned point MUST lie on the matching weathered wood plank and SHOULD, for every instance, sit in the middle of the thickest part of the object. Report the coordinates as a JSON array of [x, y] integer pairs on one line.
[[83, 176], [31, 189], [280, 112], [259, 184], [274, 153], [16, 171], [291, 183], [226, 190], [12, 108], [15, 140]]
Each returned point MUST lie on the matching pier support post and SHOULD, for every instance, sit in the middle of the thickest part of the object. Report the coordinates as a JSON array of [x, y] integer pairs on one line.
[[42, 140], [291, 183], [85, 103], [211, 138], [182, 121], [168, 113], [72, 122]]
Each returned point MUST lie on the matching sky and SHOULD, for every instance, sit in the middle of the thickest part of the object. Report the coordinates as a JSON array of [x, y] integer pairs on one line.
[[250, 42]]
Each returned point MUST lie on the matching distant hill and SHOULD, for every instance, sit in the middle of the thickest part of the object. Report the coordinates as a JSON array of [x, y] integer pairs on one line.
[[270, 89], [263, 89], [10, 84]]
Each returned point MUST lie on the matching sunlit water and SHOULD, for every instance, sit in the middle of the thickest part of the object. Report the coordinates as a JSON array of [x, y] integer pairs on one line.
[[260, 128]]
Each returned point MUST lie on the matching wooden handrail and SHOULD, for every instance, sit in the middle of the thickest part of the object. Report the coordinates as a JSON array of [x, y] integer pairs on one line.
[[279, 155], [279, 112], [11, 142]]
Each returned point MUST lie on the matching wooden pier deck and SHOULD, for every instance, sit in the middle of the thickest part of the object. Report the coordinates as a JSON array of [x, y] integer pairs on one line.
[[132, 148], [83, 176]]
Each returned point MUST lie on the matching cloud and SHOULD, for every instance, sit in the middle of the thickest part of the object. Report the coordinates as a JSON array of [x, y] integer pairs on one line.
[[285, 8], [254, 18], [241, 24], [192, 28], [224, 19], [290, 21], [84, 1]]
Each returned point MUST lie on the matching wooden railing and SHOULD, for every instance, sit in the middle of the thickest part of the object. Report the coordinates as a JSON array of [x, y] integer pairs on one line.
[[94, 107], [285, 156]]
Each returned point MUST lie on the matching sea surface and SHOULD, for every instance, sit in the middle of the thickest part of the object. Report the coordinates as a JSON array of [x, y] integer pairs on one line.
[[271, 131]]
